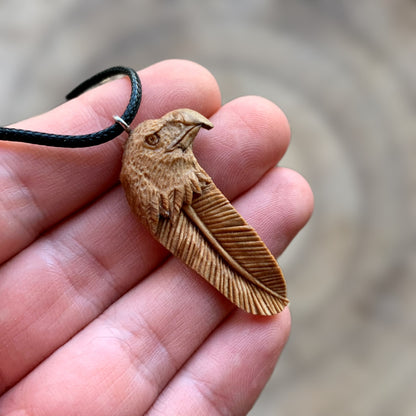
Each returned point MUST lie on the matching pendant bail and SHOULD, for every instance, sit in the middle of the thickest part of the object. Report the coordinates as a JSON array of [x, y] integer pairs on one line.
[[122, 123]]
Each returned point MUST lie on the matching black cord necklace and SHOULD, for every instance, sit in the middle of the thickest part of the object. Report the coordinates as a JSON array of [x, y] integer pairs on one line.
[[178, 202], [85, 140]]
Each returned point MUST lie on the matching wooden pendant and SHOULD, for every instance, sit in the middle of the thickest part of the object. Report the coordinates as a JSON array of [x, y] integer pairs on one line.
[[183, 209]]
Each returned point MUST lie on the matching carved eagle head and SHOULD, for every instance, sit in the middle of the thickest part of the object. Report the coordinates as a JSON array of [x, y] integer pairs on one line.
[[160, 172]]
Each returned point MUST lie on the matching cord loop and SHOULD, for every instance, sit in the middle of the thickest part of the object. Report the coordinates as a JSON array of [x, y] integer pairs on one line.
[[84, 140]]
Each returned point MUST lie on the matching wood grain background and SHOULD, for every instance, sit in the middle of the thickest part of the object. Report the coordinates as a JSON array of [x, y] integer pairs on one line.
[[344, 73]]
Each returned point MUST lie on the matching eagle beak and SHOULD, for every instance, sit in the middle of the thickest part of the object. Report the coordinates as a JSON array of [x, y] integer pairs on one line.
[[204, 122], [192, 122]]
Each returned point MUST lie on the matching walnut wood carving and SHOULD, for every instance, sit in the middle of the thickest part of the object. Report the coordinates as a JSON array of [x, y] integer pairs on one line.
[[181, 206]]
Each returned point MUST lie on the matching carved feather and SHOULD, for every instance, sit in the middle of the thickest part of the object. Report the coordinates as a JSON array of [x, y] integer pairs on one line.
[[214, 240], [186, 212]]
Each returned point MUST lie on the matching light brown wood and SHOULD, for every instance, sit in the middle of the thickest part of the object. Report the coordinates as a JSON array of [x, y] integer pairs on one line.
[[181, 206]]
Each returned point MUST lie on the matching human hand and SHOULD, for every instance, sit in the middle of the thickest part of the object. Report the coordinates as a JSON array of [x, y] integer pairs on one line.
[[95, 317]]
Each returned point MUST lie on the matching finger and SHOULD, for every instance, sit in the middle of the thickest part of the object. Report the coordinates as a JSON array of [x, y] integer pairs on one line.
[[227, 374], [256, 132], [72, 274], [290, 195], [40, 186], [140, 342]]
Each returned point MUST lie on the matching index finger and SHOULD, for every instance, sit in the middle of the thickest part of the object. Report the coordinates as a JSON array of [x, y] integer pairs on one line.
[[39, 186]]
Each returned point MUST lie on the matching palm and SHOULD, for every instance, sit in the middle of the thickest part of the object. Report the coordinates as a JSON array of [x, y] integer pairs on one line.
[[95, 317]]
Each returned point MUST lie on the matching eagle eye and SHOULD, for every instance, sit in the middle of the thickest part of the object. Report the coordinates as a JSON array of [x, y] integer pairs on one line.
[[153, 139]]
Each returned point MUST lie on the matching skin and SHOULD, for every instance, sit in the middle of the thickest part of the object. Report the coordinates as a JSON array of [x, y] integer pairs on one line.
[[95, 317]]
